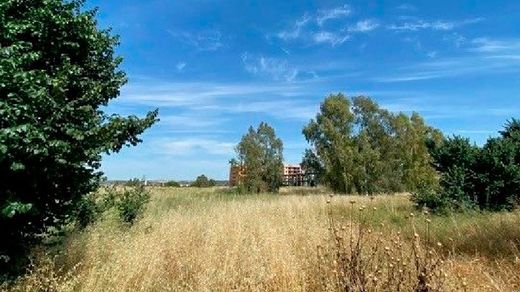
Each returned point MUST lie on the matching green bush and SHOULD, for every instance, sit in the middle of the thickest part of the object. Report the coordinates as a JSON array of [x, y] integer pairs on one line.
[[131, 204], [87, 211], [429, 196]]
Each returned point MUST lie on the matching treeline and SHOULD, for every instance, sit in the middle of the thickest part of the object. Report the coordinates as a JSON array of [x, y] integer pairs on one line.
[[359, 147], [473, 177]]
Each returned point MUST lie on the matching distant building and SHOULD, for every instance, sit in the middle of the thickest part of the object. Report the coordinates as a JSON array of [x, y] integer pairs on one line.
[[236, 173], [292, 175]]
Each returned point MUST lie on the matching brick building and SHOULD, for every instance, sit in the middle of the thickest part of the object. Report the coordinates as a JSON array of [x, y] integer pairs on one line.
[[292, 175], [236, 173]]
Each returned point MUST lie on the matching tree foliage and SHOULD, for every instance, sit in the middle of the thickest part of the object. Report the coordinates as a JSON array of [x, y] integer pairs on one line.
[[202, 181], [474, 177], [58, 71], [260, 154], [366, 149], [313, 167]]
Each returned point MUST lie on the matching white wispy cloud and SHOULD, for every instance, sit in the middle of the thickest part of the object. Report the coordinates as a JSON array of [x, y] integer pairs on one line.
[[198, 145], [334, 13], [295, 31], [486, 45], [286, 109], [441, 25], [208, 40], [155, 93], [457, 39], [331, 38], [310, 27], [452, 67], [192, 121], [273, 68], [364, 26]]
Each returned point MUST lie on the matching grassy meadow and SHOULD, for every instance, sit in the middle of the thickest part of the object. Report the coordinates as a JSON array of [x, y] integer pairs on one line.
[[300, 240]]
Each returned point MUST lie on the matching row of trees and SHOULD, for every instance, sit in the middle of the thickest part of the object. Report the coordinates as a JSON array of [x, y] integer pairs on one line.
[[358, 147]]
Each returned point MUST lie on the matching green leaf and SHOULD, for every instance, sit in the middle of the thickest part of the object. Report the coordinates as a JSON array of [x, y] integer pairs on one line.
[[14, 208]]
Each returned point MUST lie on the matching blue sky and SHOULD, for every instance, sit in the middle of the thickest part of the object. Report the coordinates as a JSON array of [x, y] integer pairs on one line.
[[214, 68]]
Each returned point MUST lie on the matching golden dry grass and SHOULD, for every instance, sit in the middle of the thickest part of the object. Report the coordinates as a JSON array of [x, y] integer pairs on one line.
[[210, 240]]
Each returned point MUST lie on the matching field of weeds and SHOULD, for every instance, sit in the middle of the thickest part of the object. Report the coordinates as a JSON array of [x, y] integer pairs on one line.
[[303, 239]]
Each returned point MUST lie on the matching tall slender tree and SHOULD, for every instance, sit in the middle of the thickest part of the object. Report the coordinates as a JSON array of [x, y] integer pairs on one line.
[[260, 153]]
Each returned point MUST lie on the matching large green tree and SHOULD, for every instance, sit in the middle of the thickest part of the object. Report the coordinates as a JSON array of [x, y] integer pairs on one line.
[[260, 153], [57, 72], [366, 149]]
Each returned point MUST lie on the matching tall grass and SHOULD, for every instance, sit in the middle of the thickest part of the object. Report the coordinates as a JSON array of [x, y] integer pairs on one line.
[[210, 239]]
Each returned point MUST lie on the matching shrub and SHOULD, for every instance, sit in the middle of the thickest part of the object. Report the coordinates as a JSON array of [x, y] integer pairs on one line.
[[131, 204], [87, 211], [429, 196]]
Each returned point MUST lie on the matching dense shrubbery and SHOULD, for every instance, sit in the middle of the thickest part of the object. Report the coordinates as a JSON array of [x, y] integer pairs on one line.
[[131, 203], [87, 211], [474, 177]]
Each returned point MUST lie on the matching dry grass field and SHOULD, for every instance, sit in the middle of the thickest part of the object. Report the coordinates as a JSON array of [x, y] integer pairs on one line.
[[300, 240]]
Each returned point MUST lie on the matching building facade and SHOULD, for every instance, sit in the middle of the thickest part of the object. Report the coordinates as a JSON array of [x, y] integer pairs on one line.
[[292, 175]]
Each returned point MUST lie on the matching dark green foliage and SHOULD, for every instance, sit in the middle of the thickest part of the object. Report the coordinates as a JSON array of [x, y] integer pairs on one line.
[[314, 169], [202, 181], [172, 183], [87, 211], [131, 203], [429, 196], [58, 71], [363, 148], [260, 154], [499, 172], [472, 177]]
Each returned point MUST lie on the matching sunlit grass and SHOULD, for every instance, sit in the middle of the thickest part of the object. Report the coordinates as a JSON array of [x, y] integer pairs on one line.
[[215, 239]]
